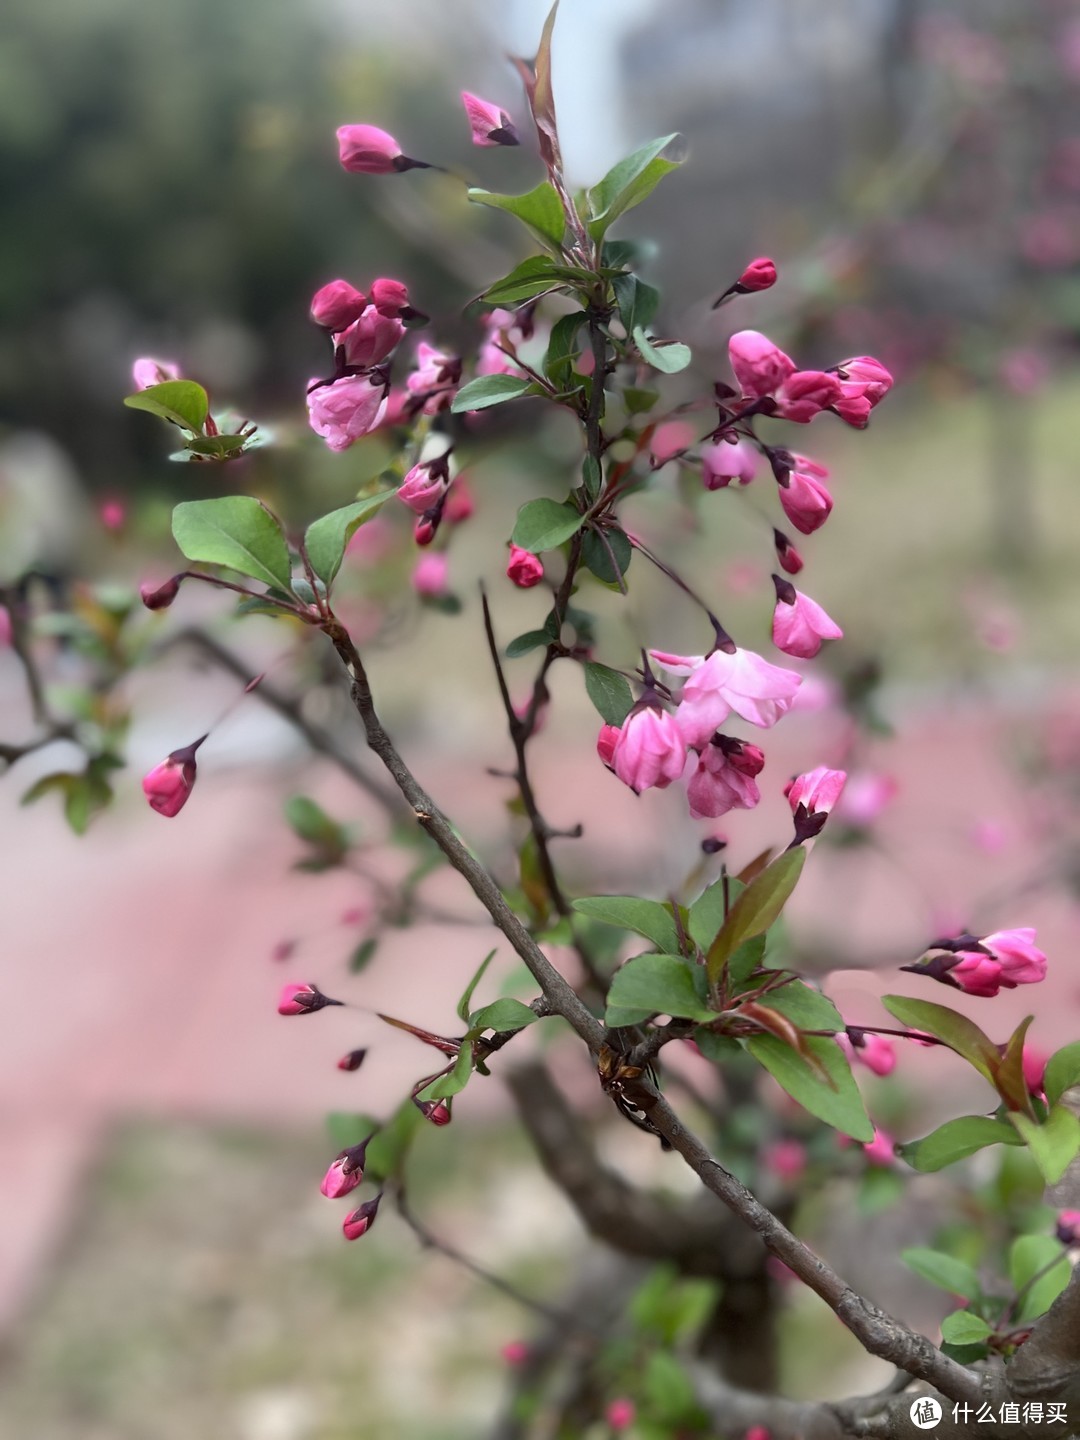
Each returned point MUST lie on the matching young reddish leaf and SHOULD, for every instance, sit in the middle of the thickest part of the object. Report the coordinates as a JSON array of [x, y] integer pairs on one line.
[[537, 81], [773, 1023], [756, 866], [949, 1026], [756, 909], [1010, 1081], [440, 1042]]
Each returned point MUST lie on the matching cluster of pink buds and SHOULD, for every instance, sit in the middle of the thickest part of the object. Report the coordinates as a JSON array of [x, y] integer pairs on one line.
[[367, 150], [985, 965]]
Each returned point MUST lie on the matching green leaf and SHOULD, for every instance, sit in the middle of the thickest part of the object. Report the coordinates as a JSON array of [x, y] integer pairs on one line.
[[215, 447], [750, 956], [609, 692], [669, 358], [955, 1140], [455, 1081], [669, 1391], [362, 956], [466, 998], [956, 1030], [347, 1130], [327, 539], [638, 401], [544, 524], [540, 209], [505, 1014], [707, 912], [944, 1271], [1053, 1144], [805, 1007], [647, 917], [836, 1101], [1062, 1071], [237, 532], [627, 184], [488, 390], [592, 476], [637, 302], [523, 644], [527, 280], [386, 1153], [1029, 1255], [759, 905], [182, 401], [650, 985], [598, 555], [328, 839], [563, 348], [963, 1328]]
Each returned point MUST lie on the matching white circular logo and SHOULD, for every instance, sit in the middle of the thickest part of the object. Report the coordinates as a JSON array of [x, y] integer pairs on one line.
[[925, 1413]]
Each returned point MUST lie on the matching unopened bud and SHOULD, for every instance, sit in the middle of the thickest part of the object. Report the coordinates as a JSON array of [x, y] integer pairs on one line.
[[1068, 1227], [524, 568], [337, 305], [360, 1221], [788, 557], [168, 785], [424, 530], [437, 1111], [353, 1060], [303, 1000], [160, 597], [347, 1171]]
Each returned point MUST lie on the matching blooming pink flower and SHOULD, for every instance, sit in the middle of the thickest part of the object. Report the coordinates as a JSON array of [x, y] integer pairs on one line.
[[431, 574], [865, 797], [303, 1000], [606, 742], [113, 514], [160, 597], [724, 781], [723, 462], [360, 1221], [620, 1414], [490, 124], [881, 1150], [786, 1159], [169, 784], [370, 339], [367, 150], [425, 484], [353, 1060], [799, 624], [337, 305], [806, 501], [524, 568], [760, 274], [650, 750], [876, 1052], [864, 382], [740, 680], [346, 1172], [346, 409], [817, 791], [1022, 962], [1068, 1227], [146, 372]]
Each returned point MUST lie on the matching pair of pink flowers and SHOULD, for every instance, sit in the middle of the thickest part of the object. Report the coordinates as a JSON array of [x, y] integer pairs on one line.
[[367, 150]]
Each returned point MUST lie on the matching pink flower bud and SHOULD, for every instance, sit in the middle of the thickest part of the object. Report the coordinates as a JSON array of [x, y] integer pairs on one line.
[[435, 370], [424, 530], [524, 568], [346, 409], [6, 627], [650, 750], [786, 1159], [876, 1052], [620, 1414], [1068, 1227], [160, 597], [490, 124], [1021, 961], [816, 792], [806, 394], [370, 339], [865, 797], [864, 376], [723, 462], [437, 1111], [460, 505], [1033, 1063], [346, 1172], [113, 514], [169, 784], [425, 485], [353, 1060], [360, 1221], [146, 372], [881, 1150], [760, 274], [606, 742], [786, 554], [391, 298], [431, 574], [303, 1000], [367, 150], [758, 1432], [976, 974], [799, 624], [515, 1352], [760, 366], [337, 305], [806, 501], [724, 779]]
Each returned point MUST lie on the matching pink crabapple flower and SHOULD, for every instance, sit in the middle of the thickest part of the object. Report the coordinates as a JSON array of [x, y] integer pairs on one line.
[[345, 410], [726, 681], [620, 1414], [865, 796], [724, 779], [723, 462], [360, 1221], [864, 383], [876, 1052], [425, 484], [817, 791], [303, 1000], [806, 501], [1068, 1227], [786, 1159], [1022, 962], [524, 568], [346, 1172], [650, 751], [336, 305], [367, 150], [490, 124], [147, 371], [435, 378], [799, 624], [460, 503], [431, 575], [670, 439], [169, 784], [881, 1150], [606, 742], [760, 274], [370, 339]]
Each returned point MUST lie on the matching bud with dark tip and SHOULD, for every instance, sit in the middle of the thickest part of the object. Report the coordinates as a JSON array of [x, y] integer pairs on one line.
[[347, 1171], [760, 274], [489, 123], [353, 1060], [1068, 1227], [169, 784], [788, 557], [437, 1111], [360, 1221], [367, 150], [162, 596], [303, 1000]]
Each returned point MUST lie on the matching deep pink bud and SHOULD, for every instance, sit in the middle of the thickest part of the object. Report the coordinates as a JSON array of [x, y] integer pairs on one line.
[[303, 1000], [882, 1149], [1068, 1227], [6, 627], [425, 484], [799, 624], [169, 784], [806, 501], [353, 1060], [817, 791], [742, 756], [436, 377], [650, 750], [620, 1414], [147, 371], [606, 742], [337, 305], [424, 530], [347, 1171], [460, 505], [760, 366], [865, 375], [1033, 1063], [431, 574], [160, 597], [976, 974], [806, 394], [524, 568], [346, 409], [760, 274], [724, 780], [786, 554], [391, 298], [723, 462], [1021, 960], [490, 124], [437, 1111], [786, 1159], [876, 1052], [367, 150], [515, 1352], [113, 514], [370, 339], [360, 1221]]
